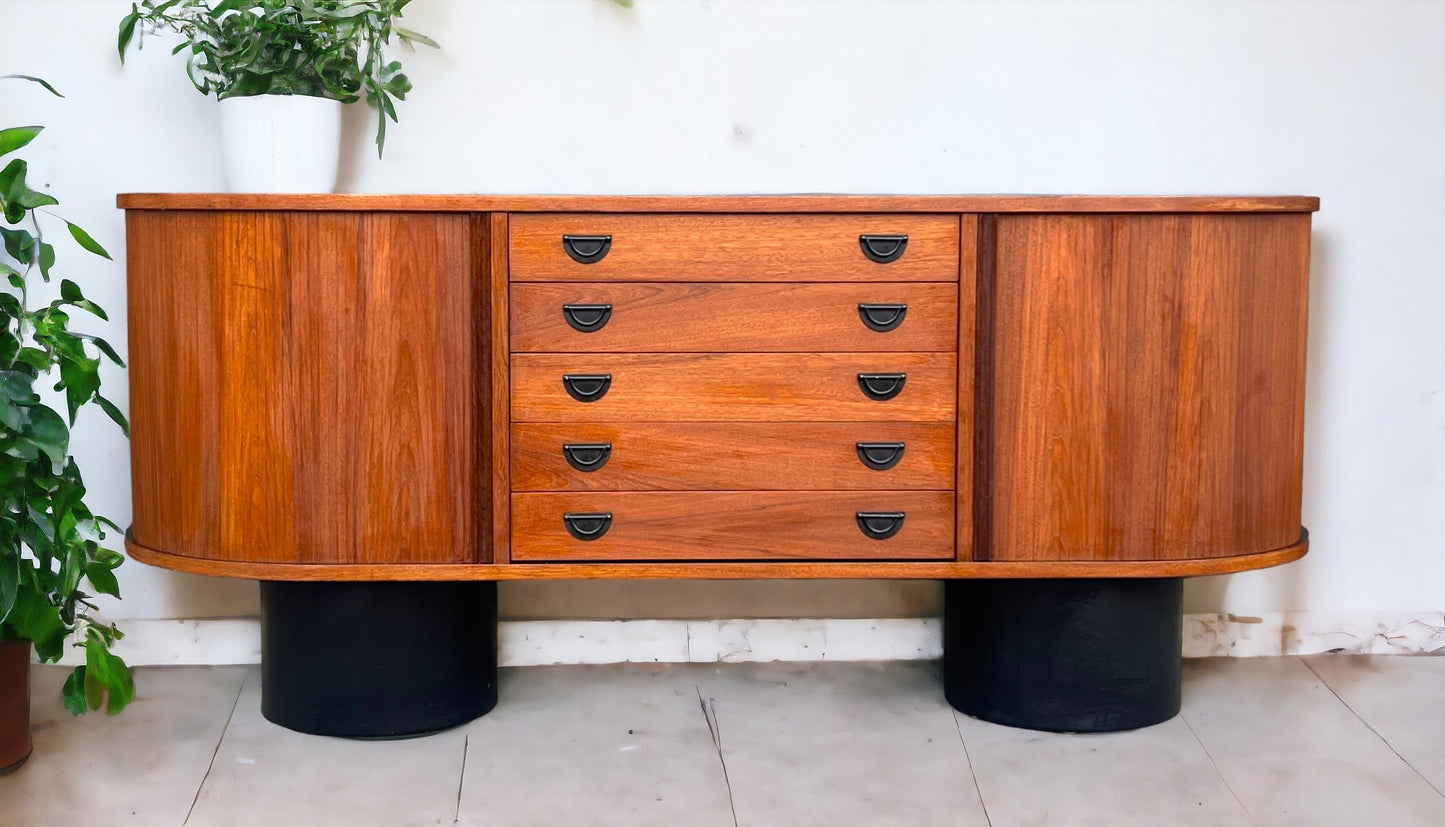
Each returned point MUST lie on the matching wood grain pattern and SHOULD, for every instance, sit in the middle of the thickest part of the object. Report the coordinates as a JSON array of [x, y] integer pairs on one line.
[[772, 525], [968, 270], [1147, 378], [776, 570], [173, 344], [739, 318], [726, 387], [985, 314], [725, 456], [288, 375], [822, 203], [497, 419], [673, 248], [323, 386], [257, 423]]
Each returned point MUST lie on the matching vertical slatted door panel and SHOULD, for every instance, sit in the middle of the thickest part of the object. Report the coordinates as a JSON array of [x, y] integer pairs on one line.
[[968, 277], [1144, 374], [258, 497], [324, 304], [304, 388], [415, 439], [174, 352], [499, 360]]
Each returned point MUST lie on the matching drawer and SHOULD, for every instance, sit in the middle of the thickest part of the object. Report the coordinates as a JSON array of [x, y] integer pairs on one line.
[[642, 317], [770, 525], [705, 247], [734, 387], [731, 456]]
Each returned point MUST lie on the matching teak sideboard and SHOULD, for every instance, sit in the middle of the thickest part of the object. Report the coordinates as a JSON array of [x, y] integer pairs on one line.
[[380, 405]]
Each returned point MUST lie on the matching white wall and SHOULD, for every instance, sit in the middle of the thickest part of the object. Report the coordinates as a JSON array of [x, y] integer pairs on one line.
[[1344, 100]]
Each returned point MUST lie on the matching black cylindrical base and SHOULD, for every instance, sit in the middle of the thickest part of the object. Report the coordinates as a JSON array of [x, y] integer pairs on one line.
[[1083, 655], [377, 660]]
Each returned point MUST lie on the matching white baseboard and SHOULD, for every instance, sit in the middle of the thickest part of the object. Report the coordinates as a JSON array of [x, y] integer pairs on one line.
[[552, 642], [1313, 633]]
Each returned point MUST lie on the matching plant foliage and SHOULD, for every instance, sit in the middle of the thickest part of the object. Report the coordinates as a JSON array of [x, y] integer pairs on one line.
[[321, 48], [51, 557]]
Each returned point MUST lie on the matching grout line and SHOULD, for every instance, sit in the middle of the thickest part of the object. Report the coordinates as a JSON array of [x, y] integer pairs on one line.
[[461, 778], [1371, 728], [709, 714], [969, 760], [199, 787], [1247, 814]]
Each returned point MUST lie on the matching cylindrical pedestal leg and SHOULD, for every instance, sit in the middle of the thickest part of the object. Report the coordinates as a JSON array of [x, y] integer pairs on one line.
[[377, 660], [1085, 655]]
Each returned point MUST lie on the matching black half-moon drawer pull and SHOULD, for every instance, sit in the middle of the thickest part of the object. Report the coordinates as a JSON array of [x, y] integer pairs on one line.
[[588, 387], [588, 456], [881, 386], [880, 525], [591, 526], [882, 317], [880, 456], [587, 249], [883, 248], [587, 318]]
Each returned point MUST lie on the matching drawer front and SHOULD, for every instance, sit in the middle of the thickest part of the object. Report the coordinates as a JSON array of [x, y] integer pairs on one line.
[[703, 247], [731, 456], [595, 317], [702, 387], [733, 526]]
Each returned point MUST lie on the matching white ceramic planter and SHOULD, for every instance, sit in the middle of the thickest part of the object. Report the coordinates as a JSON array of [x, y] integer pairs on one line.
[[280, 143]]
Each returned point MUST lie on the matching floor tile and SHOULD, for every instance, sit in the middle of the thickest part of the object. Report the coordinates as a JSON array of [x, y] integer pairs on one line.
[[265, 774], [1401, 698], [835, 744], [1148, 777], [1294, 754], [595, 745], [140, 767]]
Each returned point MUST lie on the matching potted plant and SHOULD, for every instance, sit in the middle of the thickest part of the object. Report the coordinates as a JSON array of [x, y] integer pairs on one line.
[[51, 555], [282, 69]]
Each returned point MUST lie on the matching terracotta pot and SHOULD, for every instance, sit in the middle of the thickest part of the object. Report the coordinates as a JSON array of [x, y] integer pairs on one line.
[[14, 704]]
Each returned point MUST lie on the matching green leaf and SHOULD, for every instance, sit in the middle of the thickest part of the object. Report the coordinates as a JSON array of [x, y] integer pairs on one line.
[[48, 431], [47, 260], [110, 671], [127, 31], [84, 240], [18, 196], [74, 692], [36, 620], [19, 244], [416, 37], [17, 136], [70, 291], [34, 357], [103, 579], [81, 380], [16, 386], [13, 189], [40, 81], [94, 690], [105, 347], [114, 413]]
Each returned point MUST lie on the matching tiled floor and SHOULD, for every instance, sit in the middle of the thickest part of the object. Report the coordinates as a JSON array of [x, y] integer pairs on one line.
[[1328, 740]]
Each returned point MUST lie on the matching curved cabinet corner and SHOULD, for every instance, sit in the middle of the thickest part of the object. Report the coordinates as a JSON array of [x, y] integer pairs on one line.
[[303, 383], [1141, 385]]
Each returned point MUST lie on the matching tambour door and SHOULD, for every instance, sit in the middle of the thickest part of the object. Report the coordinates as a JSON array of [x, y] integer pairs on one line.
[[1144, 385]]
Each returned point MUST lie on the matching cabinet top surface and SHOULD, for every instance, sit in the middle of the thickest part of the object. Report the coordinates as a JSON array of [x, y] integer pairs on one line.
[[809, 203]]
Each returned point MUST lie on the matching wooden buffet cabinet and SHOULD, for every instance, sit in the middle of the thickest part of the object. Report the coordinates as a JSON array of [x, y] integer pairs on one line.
[[398, 389]]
